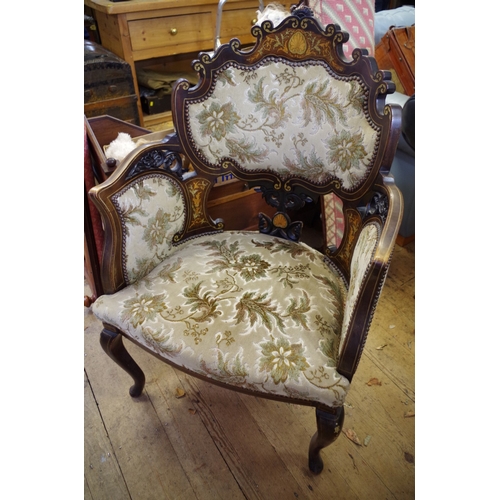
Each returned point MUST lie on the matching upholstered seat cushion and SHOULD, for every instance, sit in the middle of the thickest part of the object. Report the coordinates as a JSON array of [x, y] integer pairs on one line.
[[246, 309]]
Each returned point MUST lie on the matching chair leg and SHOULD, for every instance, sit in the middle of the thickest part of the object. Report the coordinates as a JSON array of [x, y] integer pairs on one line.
[[112, 343], [329, 425]]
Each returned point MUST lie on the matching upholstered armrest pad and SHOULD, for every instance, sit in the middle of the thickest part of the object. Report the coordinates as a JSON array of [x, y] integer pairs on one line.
[[361, 259]]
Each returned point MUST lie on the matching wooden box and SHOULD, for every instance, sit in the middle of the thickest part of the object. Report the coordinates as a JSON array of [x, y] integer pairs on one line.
[[101, 131], [108, 85]]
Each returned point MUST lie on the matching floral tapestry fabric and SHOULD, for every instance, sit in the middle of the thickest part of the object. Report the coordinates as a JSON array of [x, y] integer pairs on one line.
[[151, 211], [361, 259], [245, 309], [293, 119]]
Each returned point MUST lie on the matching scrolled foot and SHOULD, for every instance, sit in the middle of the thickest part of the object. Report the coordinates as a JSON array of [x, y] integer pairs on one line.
[[329, 425], [136, 390], [112, 343], [315, 460]]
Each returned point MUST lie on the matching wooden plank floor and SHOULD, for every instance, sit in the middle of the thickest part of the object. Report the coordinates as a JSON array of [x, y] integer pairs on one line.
[[217, 444]]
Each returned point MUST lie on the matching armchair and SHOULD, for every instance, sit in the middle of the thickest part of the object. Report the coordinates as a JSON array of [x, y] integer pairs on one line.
[[258, 312]]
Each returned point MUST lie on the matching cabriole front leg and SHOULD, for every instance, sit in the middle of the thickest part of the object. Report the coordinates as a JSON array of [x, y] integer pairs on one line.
[[112, 343], [329, 425]]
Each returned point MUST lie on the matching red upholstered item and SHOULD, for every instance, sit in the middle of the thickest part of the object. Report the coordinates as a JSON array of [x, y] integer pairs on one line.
[[89, 182]]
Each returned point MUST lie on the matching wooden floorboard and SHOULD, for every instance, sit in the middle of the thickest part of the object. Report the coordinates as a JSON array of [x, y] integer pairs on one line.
[[102, 472], [216, 444], [194, 441]]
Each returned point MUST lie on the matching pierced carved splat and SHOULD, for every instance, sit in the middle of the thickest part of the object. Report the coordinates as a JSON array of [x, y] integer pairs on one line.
[[378, 205], [284, 200], [280, 225], [169, 161]]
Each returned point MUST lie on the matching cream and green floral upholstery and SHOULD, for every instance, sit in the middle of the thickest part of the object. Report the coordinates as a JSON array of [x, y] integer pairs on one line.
[[294, 119], [246, 309], [257, 311]]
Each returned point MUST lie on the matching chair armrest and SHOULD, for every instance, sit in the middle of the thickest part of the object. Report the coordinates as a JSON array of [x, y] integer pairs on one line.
[[369, 266], [143, 208]]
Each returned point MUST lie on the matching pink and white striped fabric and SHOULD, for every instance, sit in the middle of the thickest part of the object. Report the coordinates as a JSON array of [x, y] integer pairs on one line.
[[354, 16]]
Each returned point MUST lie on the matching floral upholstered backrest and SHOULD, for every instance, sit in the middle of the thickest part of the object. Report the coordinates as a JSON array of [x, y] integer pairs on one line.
[[152, 211], [291, 118], [291, 110]]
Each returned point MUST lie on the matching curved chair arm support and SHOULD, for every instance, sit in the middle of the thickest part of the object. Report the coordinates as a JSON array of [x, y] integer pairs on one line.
[[372, 281]]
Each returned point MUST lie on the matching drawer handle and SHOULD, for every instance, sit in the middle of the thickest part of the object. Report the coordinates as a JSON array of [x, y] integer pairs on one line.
[[173, 31], [254, 21]]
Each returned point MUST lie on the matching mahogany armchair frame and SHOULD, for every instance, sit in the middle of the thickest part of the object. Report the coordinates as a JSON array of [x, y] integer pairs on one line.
[[375, 199]]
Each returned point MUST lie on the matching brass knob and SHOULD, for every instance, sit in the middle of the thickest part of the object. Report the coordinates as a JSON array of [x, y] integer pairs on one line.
[[254, 21], [173, 31]]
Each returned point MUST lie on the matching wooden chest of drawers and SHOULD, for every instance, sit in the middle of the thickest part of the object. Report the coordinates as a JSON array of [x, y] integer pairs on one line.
[[168, 34]]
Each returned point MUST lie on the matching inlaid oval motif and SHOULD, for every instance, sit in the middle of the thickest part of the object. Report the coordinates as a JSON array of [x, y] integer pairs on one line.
[[297, 44], [280, 221]]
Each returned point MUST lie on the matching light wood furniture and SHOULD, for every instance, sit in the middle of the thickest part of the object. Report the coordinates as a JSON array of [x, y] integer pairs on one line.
[[168, 34]]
